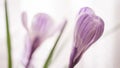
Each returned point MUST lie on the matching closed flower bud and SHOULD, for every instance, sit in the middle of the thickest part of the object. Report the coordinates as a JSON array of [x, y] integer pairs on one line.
[[88, 30]]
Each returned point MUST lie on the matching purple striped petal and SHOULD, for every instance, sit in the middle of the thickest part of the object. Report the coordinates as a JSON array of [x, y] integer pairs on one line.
[[88, 30]]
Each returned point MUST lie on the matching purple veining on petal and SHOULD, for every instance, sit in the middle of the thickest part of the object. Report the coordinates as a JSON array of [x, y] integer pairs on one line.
[[88, 37], [88, 30], [81, 29], [80, 20], [85, 35]]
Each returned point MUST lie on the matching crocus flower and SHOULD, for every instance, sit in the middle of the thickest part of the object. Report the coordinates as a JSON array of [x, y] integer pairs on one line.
[[42, 27], [88, 30]]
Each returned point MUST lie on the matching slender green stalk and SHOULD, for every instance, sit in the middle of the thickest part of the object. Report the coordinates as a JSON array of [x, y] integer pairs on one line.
[[8, 37], [53, 49]]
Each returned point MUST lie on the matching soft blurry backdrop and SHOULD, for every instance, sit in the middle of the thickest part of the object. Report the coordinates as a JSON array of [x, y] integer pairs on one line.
[[105, 53]]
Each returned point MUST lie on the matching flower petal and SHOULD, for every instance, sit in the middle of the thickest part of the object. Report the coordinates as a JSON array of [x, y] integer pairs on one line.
[[90, 34], [30, 47], [28, 44], [88, 30], [42, 24], [86, 10], [24, 20], [42, 27]]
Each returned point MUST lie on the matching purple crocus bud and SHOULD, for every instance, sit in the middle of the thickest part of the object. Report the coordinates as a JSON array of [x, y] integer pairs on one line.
[[88, 30], [42, 27]]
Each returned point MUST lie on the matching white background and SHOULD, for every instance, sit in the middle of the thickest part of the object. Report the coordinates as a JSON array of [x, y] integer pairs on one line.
[[103, 54]]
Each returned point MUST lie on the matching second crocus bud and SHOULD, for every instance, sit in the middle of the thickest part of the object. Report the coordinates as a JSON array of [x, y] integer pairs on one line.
[[88, 30], [42, 28]]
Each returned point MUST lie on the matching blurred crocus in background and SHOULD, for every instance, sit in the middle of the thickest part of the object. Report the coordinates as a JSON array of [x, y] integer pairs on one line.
[[88, 30], [42, 27]]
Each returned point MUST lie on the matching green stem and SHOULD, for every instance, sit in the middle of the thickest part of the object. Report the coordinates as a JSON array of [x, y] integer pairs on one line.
[[8, 37], [52, 51]]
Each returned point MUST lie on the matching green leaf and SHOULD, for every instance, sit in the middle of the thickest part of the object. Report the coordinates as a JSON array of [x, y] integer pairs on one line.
[[53, 49], [8, 37]]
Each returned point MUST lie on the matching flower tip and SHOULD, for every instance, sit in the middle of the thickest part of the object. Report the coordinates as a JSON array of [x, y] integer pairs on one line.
[[24, 20], [86, 10]]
